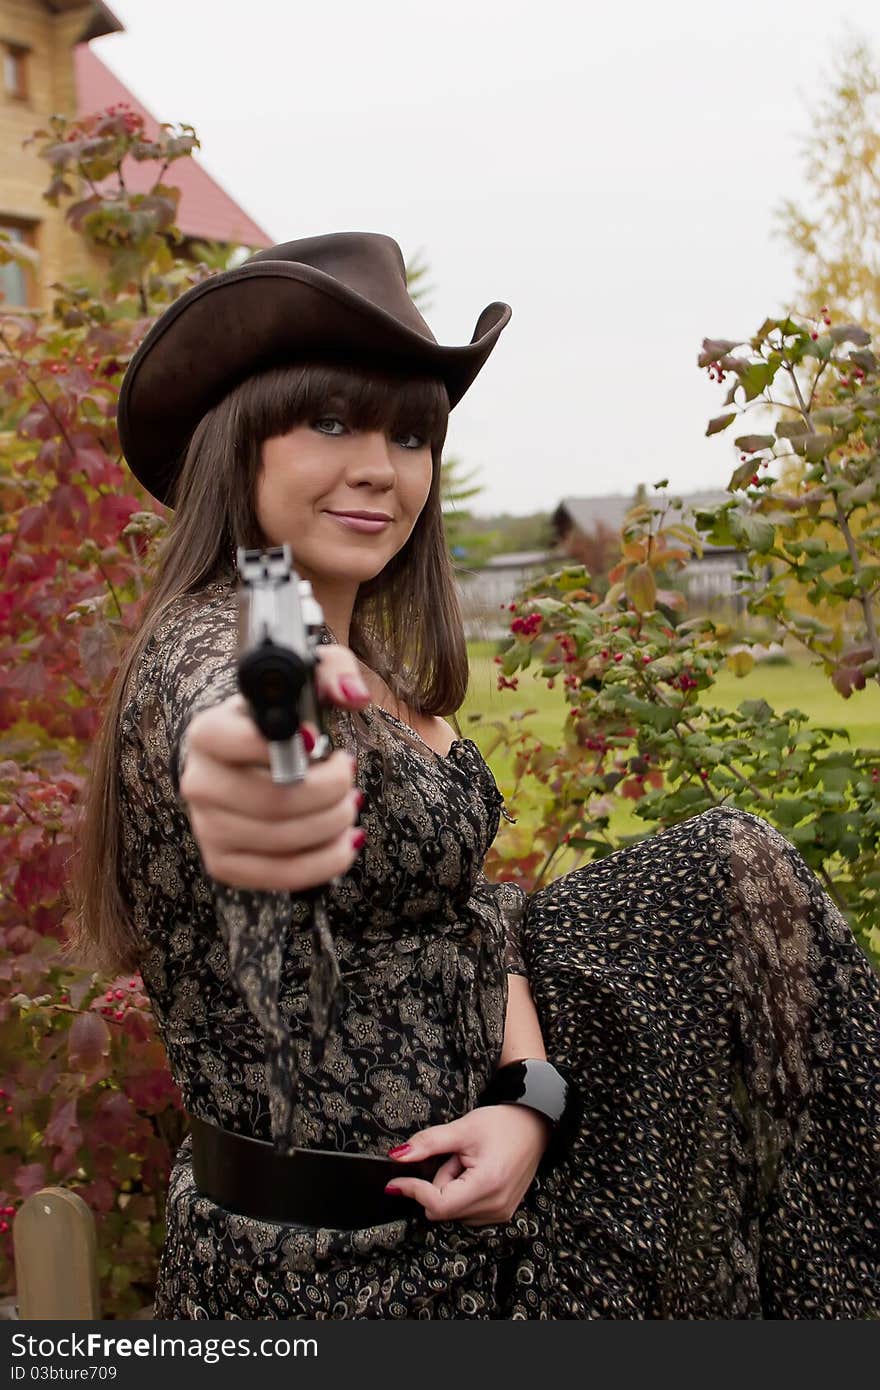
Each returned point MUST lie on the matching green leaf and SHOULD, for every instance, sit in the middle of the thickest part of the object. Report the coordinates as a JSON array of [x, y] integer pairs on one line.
[[756, 377], [720, 423], [790, 810], [820, 349], [758, 711], [740, 661], [713, 348], [752, 532], [817, 446], [751, 443], [850, 333], [741, 476], [790, 429]]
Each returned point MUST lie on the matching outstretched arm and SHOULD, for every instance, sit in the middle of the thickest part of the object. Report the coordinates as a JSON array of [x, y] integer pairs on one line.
[[522, 1031]]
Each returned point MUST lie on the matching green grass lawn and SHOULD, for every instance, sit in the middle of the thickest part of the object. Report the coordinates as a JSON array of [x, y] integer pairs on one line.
[[794, 686]]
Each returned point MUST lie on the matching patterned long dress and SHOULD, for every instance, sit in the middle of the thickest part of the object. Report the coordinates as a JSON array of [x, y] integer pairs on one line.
[[720, 1021]]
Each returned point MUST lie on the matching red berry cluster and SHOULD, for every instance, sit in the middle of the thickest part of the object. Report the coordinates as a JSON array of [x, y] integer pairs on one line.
[[716, 372], [117, 997], [527, 627], [130, 119], [686, 681], [93, 363], [505, 684], [855, 372]]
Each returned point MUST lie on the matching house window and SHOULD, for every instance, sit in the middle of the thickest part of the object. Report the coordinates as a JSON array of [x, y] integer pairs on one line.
[[17, 282], [15, 71]]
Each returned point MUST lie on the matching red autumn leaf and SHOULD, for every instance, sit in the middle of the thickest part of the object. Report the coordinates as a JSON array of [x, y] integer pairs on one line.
[[115, 511], [87, 1042], [138, 1026], [113, 1119], [152, 1091], [39, 423], [63, 1132], [98, 652], [100, 1194], [69, 507], [84, 723], [641, 589], [32, 525], [97, 465], [632, 789], [29, 1178]]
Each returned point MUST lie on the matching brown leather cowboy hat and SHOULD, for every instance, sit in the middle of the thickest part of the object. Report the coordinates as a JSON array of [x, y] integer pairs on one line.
[[342, 296]]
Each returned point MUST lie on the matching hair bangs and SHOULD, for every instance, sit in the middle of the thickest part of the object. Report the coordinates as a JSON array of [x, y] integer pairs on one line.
[[283, 397]]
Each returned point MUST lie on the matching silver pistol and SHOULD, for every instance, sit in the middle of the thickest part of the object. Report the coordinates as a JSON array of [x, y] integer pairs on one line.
[[279, 626]]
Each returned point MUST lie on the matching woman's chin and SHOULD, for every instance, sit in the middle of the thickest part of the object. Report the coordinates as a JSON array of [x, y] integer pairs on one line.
[[338, 563]]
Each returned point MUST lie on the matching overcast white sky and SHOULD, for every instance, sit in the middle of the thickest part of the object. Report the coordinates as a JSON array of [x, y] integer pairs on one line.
[[610, 171]]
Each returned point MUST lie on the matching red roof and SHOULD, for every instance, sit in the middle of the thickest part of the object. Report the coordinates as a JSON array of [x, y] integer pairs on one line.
[[206, 210]]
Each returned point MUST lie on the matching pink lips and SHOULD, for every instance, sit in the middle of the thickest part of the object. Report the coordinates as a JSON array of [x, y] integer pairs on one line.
[[360, 523]]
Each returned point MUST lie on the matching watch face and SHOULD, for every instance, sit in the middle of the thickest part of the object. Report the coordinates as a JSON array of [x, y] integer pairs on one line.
[[530, 1081]]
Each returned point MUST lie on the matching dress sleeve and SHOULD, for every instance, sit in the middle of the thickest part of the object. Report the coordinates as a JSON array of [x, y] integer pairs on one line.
[[511, 901], [196, 668]]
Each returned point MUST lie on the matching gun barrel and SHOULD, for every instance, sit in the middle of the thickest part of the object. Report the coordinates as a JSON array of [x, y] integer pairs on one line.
[[278, 624]]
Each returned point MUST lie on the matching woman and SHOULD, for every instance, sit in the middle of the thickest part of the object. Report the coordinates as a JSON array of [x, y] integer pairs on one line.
[[706, 1001]]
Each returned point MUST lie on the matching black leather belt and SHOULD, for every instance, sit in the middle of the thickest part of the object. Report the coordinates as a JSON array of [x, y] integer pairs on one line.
[[311, 1187]]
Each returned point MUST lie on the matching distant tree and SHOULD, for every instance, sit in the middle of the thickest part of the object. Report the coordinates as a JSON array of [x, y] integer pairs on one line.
[[420, 291], [836, 238], [468, 544], [533, 531]]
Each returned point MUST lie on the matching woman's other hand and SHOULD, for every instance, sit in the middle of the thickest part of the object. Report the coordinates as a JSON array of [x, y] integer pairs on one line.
[[494, 1152], [256, 833]]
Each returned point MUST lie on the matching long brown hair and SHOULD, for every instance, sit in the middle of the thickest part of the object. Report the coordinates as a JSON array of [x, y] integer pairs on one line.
[[406, 623]]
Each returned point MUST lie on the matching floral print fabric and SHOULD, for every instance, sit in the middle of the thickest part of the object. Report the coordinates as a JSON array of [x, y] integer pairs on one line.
[[719, 1020]]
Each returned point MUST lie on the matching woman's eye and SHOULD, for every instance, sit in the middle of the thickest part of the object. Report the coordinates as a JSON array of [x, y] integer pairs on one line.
[[412, 441], [329, 420]]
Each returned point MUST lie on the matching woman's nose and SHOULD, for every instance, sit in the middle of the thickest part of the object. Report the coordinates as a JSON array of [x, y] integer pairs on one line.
[[374, 451]]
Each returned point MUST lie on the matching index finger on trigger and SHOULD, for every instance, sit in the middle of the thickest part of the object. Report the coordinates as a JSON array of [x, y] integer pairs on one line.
[[338, 679]]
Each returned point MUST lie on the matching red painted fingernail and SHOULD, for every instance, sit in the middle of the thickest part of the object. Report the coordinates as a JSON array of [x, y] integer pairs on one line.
[[358, 839], [308, 738], [401, 1149], [353, 689], [392, 1188], [359, 799]]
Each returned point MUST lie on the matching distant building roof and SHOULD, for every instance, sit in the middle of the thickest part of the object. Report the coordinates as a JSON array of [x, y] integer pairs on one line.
[[588, 513], [206, 211], [101, 18]]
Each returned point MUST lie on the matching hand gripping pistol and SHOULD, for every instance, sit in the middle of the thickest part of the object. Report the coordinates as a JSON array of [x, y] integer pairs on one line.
[[279, 624]]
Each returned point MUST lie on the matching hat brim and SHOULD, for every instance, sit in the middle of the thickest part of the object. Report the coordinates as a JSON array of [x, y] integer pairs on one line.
[[257, 316]]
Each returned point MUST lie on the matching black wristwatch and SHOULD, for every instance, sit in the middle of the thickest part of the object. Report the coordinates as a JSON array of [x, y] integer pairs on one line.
[[541, 1086]]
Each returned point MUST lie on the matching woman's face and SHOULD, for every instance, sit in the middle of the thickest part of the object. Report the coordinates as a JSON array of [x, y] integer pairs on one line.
[[316, 470]]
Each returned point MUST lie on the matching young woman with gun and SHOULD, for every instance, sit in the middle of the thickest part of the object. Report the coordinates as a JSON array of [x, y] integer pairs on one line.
[[647, 1091]]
